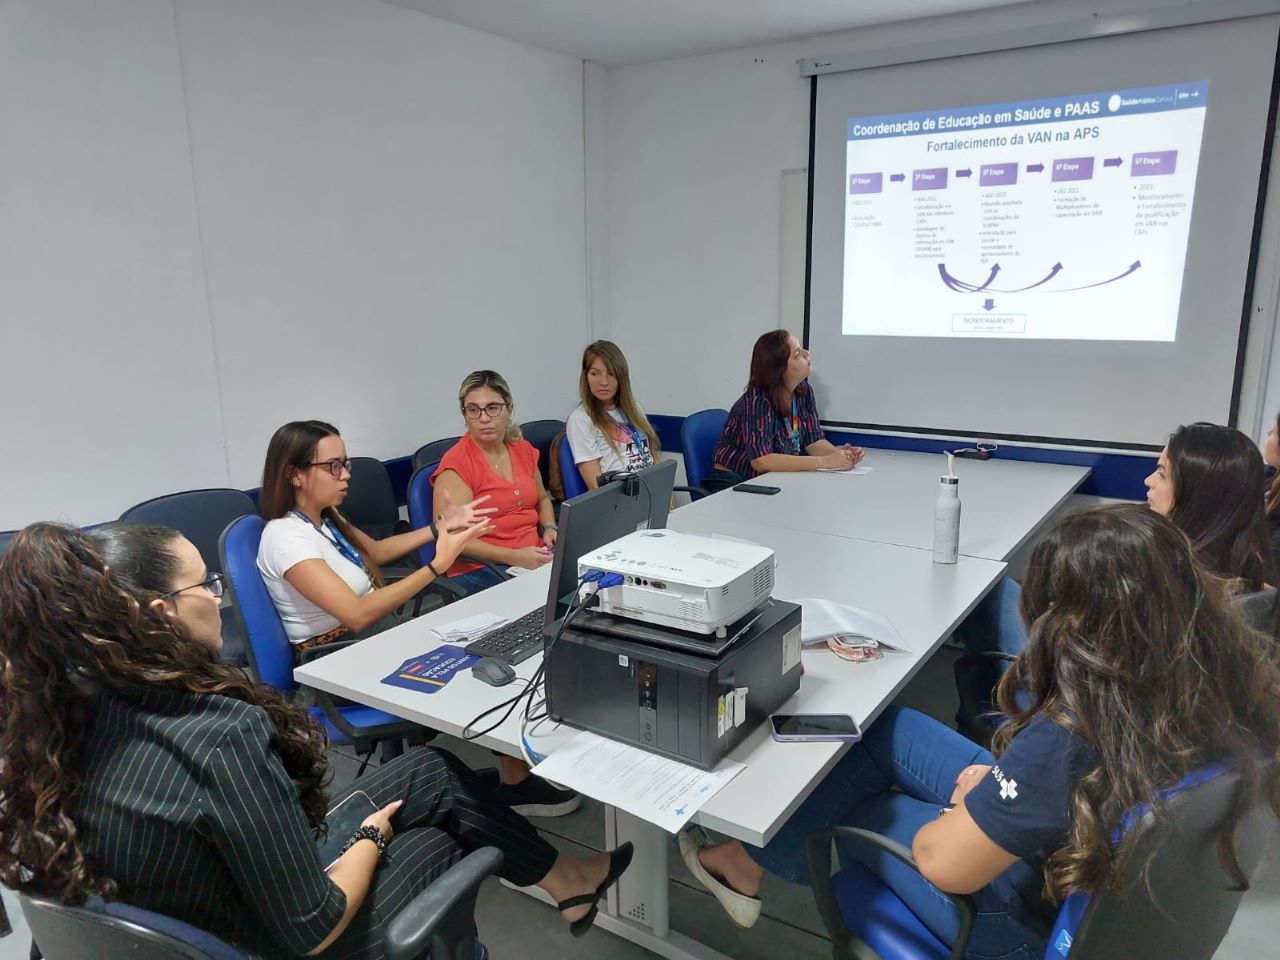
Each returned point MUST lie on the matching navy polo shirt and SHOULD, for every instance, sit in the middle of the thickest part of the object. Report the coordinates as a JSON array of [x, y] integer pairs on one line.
[[1024, 806]]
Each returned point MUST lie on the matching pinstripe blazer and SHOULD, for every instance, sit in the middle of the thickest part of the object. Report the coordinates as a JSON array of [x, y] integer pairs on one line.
[[188, 807]]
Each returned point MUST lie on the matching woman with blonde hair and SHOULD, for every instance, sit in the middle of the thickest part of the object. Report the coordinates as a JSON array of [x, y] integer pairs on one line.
[[608, 430]]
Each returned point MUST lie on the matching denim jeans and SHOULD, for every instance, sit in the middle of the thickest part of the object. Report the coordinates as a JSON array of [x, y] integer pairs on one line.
[[894, 782], [994, 624], [473, 581]]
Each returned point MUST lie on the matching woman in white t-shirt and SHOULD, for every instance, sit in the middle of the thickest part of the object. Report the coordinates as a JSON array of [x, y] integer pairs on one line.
[[608, 431], [323, 573]]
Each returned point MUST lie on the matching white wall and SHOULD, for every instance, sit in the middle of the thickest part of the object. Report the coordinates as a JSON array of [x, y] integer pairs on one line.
[[696, 151], [219, 216]]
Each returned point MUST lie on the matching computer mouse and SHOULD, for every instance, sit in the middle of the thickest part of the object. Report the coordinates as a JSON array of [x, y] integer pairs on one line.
[[496, 673]]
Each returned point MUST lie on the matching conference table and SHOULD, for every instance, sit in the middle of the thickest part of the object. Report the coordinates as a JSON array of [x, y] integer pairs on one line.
[[925, 601], [1003, 502]]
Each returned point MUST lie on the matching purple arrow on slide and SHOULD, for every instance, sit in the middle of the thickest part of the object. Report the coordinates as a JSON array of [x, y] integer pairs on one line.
[[1035, 168], [897, 177], [960, 286], [1057, 267], [988, 304], [964, 173], [1113, 161], [1137, 264]]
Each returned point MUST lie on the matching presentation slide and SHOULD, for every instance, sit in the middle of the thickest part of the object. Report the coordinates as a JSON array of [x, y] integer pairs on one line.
[[1064, 218]]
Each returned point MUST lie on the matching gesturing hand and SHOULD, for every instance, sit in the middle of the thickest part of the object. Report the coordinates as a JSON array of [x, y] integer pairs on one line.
[[460, 518]]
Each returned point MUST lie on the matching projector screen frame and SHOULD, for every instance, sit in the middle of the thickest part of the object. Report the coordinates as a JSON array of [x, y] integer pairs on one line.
[[1146, 22]]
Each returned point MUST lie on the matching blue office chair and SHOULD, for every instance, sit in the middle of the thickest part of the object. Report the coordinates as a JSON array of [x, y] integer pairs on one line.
[[1181, 908], [698, 437], [201, 516], [540, 433], [271, 655], [438, 924], [574, 485], [370, 503], [432, 452], [420, 499]]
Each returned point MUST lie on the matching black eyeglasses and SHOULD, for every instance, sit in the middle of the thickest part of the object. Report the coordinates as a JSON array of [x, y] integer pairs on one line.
[[213, 585], [335, 467], [492, 411]]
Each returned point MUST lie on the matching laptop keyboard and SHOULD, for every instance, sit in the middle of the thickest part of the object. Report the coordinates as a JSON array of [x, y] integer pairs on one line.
[[516, 641]]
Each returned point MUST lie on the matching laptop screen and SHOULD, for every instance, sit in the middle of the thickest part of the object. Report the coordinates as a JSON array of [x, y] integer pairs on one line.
[[636, 502]]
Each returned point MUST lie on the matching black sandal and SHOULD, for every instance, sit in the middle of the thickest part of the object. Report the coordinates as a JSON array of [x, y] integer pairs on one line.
[[619, 860]]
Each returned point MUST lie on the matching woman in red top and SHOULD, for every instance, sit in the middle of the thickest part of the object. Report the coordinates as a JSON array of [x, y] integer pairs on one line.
[[494, 460], [492, 456]]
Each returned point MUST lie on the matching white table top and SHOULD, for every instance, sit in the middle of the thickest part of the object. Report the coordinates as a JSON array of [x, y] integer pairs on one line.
[[924, 600], [1003, 502]]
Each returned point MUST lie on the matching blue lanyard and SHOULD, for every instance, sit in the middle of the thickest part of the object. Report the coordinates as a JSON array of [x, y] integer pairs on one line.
[[334, 536]]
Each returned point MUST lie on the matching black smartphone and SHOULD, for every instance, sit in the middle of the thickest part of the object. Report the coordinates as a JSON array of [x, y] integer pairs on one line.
[[343, 821], [800, 727], [759, 488]]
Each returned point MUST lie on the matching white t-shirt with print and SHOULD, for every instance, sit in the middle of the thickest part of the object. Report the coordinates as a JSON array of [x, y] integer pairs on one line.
[[589, 443], [286, 542]]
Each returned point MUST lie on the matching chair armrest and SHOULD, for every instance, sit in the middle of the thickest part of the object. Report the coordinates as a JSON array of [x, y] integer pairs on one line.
[[443, 915], [691, 491], [817, 848]]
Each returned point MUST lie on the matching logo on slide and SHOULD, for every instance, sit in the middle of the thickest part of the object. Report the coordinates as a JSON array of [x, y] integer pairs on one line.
[[1114, 103]]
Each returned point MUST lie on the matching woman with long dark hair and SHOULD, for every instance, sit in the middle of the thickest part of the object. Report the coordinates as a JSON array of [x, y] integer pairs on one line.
[[1137, 672], [323, 573], [607, 430], [774, 425], [134, 765], [1209, 481]]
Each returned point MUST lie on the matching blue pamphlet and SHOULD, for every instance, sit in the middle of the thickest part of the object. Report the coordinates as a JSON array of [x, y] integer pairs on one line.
[[430, 671]]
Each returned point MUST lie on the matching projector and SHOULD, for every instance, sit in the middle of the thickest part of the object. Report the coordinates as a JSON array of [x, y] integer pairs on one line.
[[682, 580]]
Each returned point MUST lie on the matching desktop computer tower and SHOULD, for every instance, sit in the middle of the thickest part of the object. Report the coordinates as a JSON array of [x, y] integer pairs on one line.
[[688, 707]]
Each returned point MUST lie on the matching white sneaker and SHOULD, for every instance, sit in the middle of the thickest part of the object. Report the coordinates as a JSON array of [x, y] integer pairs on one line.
[[742, 910]]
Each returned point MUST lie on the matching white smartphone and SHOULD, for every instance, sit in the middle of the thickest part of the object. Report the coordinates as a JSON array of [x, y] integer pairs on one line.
[[344, 820], [799, 727]]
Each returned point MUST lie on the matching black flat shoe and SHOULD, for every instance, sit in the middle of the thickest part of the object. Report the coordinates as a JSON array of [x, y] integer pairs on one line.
[[619, 860]]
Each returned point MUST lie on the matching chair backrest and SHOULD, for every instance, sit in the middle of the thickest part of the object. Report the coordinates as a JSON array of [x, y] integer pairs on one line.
[[268, 651], [698, 437], [6, 538], [570, 478], [199, 515], [116, 931], [540, 433], [1190, 904], [420, 497], [371, 500], [432, 452]]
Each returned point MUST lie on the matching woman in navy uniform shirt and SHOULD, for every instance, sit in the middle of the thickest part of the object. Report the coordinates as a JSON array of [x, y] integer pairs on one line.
[[1136, 672]]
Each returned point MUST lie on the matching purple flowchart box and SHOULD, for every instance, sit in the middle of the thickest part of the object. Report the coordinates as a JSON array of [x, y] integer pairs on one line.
[[866, 182], [997, 174], [932, 179], [1156, 163], [1073, 168]]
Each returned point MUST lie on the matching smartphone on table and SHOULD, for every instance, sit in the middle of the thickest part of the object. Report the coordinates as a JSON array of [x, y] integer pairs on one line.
[[760, 488], [800, 727]]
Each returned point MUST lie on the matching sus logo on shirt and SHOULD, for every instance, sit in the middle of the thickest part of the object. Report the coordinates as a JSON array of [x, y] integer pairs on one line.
[[1008, 786]]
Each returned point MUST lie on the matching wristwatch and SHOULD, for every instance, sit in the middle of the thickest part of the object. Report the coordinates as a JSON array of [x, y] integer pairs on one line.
[[543, 528], [368, 833]]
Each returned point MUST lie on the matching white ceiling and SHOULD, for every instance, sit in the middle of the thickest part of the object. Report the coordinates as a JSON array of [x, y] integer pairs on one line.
[[615, 32]]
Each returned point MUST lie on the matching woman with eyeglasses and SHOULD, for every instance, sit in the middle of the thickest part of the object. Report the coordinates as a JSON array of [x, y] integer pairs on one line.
[[492, 460], [140, 768], [323, 574]]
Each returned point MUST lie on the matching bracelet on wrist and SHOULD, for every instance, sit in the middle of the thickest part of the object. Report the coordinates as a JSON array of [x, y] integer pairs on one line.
[[431, 565], [435, 531], [372, 834]]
